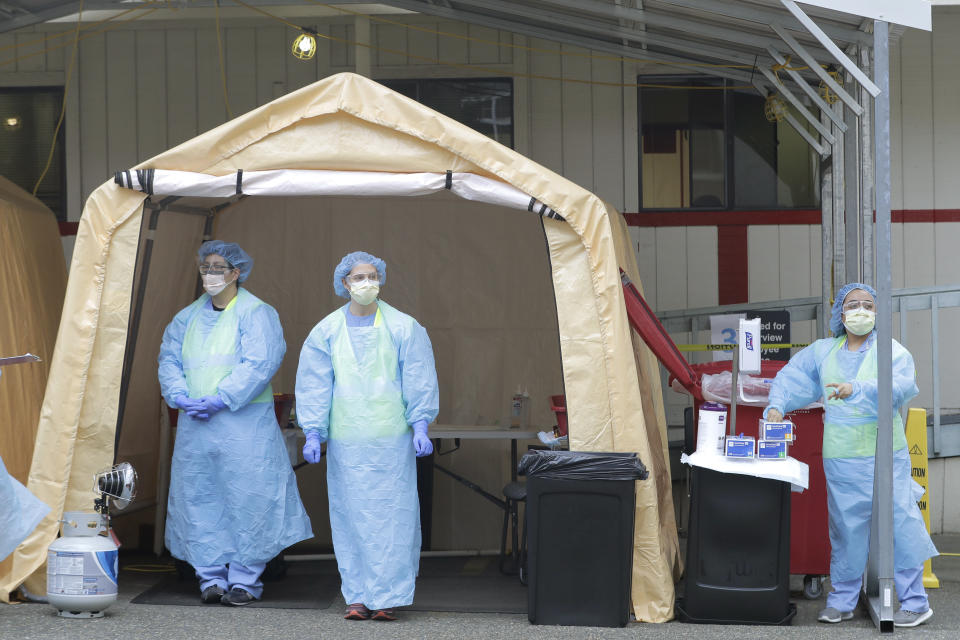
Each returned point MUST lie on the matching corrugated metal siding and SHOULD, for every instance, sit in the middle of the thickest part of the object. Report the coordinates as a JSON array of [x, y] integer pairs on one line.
[[142, 88]]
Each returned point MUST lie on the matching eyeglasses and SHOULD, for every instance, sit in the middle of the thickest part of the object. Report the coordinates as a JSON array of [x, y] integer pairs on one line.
[[357, 278], [214, 269], [866, 305]]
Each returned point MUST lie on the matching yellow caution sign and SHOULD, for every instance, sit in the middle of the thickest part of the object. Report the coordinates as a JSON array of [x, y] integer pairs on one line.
[[917, 443], [731, 347]]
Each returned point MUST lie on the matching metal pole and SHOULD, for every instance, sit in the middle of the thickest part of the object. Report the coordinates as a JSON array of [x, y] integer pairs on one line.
[[866, 178], [826, 241], [732, 426], [837, 168], [902, 307], [851, 194], [935, 344], [881, 544]]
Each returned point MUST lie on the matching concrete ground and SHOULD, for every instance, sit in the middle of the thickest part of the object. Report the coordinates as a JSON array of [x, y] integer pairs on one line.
[[126, 621]]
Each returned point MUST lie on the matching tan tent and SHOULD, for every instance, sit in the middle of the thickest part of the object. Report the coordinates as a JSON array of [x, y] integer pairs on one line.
[[33, 277], [282, 180]]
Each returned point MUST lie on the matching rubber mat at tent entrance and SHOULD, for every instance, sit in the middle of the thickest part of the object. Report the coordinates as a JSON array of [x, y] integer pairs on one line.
[[304, 587], [468, 585]]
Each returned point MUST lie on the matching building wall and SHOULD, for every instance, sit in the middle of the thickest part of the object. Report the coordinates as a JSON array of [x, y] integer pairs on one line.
[[144, 87]]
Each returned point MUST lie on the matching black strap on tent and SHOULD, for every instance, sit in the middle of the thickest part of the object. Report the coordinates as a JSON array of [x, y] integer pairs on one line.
[[123, 178], [449, 182], [145, 178], [545, 211], [239, 182]]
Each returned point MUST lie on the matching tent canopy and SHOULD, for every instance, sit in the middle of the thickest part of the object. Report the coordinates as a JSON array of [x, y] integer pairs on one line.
[[347, 123]]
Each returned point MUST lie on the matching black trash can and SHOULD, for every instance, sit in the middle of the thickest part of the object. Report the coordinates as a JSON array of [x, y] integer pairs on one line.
[[738, 550], [579, 521]]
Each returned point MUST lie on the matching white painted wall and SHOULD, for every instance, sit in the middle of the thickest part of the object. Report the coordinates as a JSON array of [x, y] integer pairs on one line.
[[147, 86]]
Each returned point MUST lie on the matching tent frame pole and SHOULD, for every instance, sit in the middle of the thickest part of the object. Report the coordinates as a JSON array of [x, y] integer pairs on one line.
[[133, 327], [134, 324]]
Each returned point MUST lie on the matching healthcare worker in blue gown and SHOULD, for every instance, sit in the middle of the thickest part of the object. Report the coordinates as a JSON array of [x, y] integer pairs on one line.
[[20, 511], [843, 371], [367, 386], [233, 502]]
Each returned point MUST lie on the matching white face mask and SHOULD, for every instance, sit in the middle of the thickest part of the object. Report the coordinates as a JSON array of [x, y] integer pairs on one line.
[[365, 292], [859, 322], [214, 284]]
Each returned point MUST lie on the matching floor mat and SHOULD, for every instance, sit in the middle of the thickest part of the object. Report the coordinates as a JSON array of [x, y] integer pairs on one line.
[[304, 587], [468, 585]]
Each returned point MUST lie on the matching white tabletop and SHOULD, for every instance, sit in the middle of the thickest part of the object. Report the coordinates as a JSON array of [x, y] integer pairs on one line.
[[481, 432]]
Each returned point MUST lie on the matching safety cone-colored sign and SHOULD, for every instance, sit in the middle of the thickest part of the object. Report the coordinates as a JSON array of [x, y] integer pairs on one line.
[[917, 443]]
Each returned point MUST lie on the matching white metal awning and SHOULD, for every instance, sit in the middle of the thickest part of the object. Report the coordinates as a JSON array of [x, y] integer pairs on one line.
[[774, 45]]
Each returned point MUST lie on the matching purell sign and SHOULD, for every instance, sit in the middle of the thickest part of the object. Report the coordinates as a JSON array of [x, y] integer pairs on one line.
[[750, 345]]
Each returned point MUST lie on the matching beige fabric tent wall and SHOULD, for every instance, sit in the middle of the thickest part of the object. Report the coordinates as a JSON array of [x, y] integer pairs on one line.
[[33, 277], [347, 122]]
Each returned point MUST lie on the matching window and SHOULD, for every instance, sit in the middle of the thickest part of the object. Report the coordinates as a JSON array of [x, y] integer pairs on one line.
[[28, 118], [715, 149], [485, 105]]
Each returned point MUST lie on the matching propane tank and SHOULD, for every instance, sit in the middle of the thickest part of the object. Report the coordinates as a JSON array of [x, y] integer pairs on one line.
[[82, 567]]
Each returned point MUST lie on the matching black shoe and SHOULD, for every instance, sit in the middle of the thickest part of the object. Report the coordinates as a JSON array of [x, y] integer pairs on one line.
[[211, 594], [237, 597]]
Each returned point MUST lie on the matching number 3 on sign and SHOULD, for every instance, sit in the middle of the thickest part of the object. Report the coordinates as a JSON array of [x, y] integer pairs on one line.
[[729, 336]]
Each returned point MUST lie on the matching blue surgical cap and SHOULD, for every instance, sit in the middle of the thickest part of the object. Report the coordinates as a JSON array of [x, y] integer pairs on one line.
[[836, 313], [231, 252], [349, 262]]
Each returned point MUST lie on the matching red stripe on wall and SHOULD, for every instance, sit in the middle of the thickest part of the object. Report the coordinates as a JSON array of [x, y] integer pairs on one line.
[[782, 217], [732, 264], [925, 215], [69, 228], [721, 218]]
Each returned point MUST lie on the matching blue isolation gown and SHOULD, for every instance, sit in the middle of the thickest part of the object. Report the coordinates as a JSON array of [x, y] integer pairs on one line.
[[361, 387], [849, 446], [233, 494]]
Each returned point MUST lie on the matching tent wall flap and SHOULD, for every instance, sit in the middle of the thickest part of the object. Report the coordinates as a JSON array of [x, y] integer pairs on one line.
[[34, 277], [350, 123]]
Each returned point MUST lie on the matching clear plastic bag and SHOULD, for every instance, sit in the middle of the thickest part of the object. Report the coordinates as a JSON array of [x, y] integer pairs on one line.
[[754, 390], [582, 465]]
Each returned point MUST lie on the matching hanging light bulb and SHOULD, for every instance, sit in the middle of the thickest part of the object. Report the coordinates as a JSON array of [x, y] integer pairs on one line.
[[305, 45], [774, 109]]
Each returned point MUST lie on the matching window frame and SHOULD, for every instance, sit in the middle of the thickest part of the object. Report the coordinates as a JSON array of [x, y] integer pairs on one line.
[[729, 157], [60, 90], [429, 79]]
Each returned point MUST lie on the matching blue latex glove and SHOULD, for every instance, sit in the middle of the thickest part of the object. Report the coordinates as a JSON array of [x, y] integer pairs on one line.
[[311, 449], [205, 407], [421, 441], [185, 403]]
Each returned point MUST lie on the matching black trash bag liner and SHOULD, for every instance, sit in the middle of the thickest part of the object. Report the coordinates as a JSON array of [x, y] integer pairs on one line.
[[581, 465]]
